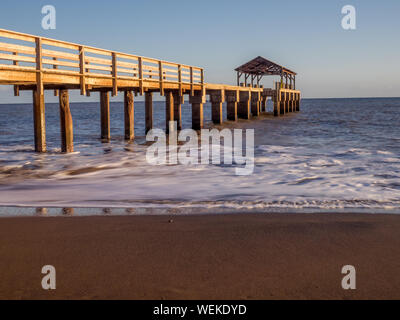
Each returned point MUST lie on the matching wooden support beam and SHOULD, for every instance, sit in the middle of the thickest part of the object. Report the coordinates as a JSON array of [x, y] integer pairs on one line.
[[255, 104], [39, 121], [105, 115], [197, 110], [66, 124], [169, 109], [232, 99], [178, 101], [217, 98], [148, 97], [129, 115], [244, 105]]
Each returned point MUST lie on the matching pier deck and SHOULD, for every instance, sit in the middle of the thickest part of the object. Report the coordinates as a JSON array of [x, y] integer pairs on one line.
[[37, 64]]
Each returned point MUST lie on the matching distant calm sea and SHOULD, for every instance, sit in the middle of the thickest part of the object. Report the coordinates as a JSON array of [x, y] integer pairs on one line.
[[335, 155]]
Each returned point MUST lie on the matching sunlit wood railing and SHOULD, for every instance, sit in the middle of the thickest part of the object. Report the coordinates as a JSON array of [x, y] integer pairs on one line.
[[23, 52]]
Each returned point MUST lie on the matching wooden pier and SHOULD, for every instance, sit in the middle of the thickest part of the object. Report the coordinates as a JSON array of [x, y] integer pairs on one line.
[[37, 64]]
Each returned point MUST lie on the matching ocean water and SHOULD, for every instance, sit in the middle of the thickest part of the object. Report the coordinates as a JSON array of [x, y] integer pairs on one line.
[[336, 155]]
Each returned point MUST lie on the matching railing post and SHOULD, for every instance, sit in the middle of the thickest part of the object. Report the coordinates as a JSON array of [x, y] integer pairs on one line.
[[140, 63], [191, 82], [180, 79], [114, 74], [55, 67], [82, 69], [161, 76], [39, 75]]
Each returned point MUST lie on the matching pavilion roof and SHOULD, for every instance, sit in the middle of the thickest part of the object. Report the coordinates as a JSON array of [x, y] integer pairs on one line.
[[261, 66]]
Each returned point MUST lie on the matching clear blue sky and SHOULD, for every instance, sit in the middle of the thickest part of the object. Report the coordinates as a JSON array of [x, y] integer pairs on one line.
[[219, 35]]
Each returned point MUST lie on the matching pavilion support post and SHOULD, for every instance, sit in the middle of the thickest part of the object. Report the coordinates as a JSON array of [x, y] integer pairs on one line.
[[197, 110], [66, 124], [39, 121], [105, 115], [232, 98], [178, 101], [148, 101], [129, 115], [255, 104], [217, 98], [244, 105]]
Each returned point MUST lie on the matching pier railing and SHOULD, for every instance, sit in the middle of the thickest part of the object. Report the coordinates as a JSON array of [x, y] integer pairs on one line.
[[22, 53]]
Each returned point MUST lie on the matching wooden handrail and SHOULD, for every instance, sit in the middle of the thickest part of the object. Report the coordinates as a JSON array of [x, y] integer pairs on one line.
[[91, 62]]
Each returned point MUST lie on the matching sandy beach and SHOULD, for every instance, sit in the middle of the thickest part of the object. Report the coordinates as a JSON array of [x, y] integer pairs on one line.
[[241, 256]]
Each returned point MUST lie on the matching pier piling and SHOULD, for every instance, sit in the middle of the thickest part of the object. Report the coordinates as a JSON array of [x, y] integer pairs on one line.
[[232, 98], [148, 97], [255, 104], [66, 124], [244, 105], [169, 109], [129, 115], [217, 98], [178, 101], [39, 121], [197, 110], [105, 115], [264, 103]]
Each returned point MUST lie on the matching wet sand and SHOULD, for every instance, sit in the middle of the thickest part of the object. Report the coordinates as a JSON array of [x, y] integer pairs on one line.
[[259, 256]]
